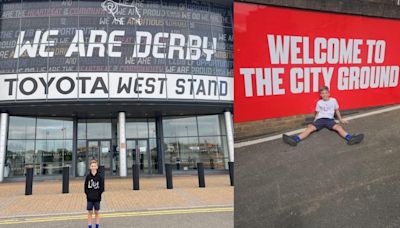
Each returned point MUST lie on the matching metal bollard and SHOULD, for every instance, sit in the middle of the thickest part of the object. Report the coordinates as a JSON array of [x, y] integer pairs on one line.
[[65, 181], [200, 172], [168, 175], [29, 181], [231, 172], [135, 176]]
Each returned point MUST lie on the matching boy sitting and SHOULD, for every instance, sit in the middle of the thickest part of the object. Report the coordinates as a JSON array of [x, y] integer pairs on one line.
[[326, 109]]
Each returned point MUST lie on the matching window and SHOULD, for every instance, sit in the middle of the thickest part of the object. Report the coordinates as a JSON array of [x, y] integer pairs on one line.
[[189, 140], [44, 143], [98, 129], [137, 128], [21, 127], [53, 128], [180, 126]]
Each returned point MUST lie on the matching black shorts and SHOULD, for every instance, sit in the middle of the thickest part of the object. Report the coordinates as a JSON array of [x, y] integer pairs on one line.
[[91, 205], [324, 123]]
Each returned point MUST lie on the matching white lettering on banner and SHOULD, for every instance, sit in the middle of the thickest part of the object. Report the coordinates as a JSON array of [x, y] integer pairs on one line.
[[38, 86], [368, 77], [286, 49], [305, 80], [31, 49], [340, 59], [268, 81], [101, 44]]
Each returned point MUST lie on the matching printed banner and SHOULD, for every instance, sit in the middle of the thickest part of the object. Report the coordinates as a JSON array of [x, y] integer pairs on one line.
[[283, 56], [117, 50], [102, 85]]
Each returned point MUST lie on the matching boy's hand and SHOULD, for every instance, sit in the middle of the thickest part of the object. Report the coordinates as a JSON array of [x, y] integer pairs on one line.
[[343, 121]]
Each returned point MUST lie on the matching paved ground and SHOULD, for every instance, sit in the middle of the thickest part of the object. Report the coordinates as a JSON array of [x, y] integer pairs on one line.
[[47, 199], [323, 182], [196, 218]]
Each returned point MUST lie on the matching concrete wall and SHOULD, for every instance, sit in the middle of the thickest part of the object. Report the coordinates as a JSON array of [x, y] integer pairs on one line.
[[268, 126], [375, 8]]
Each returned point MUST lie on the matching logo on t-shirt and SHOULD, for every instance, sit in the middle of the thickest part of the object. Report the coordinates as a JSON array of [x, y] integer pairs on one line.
[[93, 184]]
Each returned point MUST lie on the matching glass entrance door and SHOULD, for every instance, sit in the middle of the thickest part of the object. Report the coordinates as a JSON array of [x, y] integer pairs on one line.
[[138, 152], [101, 151]]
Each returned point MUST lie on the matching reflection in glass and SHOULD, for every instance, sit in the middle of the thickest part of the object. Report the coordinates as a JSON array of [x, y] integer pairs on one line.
[[50, 128], [212, 152], [19, 154], [153, 155], [53, 155], [152, 128], [143, 152], [183, 152], [130, 154], [137, 128], [81, 157], [208, 125], [81, 129], [179, 126], [184, 147], [21, 127], [98, 129]]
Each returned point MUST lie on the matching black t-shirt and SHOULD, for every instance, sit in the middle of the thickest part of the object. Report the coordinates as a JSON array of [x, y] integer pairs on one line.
[[94, 187]]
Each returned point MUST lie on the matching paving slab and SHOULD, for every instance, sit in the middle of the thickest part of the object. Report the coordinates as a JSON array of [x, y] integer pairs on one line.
[[47, 198]]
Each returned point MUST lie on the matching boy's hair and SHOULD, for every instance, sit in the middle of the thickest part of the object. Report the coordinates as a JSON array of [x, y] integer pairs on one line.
[[93, 161], [324, 88]]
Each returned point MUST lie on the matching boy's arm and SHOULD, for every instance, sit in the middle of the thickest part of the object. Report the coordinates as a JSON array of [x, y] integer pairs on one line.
[[339, 116], [101, 185], [317, 109], [86, 184]]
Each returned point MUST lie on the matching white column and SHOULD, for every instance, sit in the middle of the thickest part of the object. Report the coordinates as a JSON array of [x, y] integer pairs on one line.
[[3, 142], [122, 145], [229, 133]]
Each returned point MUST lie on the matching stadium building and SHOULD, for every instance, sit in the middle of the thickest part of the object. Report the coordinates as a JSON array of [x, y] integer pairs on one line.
[[144, 82]]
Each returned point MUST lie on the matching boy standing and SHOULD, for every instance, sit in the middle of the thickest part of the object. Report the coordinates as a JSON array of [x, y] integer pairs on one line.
[[94, 187], [325, 111]]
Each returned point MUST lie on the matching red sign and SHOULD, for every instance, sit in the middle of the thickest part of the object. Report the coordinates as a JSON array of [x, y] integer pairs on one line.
[[283, 56]]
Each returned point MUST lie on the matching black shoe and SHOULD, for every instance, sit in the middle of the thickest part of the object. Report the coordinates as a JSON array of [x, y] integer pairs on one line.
[[356, 139], [289, 140]]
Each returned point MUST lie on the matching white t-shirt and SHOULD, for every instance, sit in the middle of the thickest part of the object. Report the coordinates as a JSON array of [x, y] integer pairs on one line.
[[326, 109]]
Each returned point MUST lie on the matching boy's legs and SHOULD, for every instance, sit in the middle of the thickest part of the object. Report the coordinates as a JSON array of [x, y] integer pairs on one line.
[[351, 139], [295, 139], [97, 215], [90, 218], [340, 130], [310, 129]]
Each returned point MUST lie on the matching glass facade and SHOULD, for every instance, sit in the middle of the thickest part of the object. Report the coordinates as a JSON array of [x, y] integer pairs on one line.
[[44, 143], [47, 144], [97, 140], [141, 145], [192, 139]]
